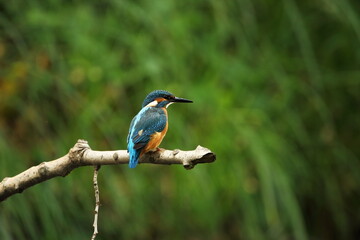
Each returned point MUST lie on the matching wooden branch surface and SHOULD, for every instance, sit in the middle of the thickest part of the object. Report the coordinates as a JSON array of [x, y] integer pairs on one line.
[[82, 155], [97, 202]]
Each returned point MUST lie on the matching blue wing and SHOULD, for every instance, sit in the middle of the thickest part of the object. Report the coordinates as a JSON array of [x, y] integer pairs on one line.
[[131, 127], [148, 121]]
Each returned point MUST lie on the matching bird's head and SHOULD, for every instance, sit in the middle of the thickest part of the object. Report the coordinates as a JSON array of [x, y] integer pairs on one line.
[[161, 98]]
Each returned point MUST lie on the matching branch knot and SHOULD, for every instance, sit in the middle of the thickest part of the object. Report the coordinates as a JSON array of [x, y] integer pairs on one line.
[[76, 153]]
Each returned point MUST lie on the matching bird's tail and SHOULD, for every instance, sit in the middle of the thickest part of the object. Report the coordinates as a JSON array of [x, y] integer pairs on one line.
[[134, 158]]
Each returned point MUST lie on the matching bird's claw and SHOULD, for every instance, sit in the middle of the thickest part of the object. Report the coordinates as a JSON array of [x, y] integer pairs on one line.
[[159, 149]]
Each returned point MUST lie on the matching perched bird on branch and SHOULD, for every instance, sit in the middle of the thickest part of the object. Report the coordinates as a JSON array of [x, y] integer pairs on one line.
[[149, 126]]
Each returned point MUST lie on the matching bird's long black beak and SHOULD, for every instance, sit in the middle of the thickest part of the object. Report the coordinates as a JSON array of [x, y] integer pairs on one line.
[[181, 100]]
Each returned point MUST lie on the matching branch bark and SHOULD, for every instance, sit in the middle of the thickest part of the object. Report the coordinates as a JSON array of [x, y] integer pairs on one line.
[[97, 202], [82, 155]]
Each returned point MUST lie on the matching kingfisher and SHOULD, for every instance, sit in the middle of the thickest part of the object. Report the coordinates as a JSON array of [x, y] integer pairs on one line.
[[149, 126]]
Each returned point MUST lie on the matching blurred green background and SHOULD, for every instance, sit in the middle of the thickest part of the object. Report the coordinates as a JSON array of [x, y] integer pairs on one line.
[[276, 90]]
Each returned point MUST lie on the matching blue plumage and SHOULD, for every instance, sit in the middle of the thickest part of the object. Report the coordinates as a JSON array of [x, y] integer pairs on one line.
[[150, 121]]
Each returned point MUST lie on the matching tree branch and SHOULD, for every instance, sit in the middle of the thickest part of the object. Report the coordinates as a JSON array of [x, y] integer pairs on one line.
[[82, 155], [97, 202]]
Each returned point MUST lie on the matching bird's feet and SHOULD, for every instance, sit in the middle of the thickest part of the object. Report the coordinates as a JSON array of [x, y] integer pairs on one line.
[[154, 150], [159, 149]]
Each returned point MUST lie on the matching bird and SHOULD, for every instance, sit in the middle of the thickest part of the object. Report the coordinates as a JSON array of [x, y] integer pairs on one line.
[[149, 126]]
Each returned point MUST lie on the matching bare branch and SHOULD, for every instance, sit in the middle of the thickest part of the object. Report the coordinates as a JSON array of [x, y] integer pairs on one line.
[[82, 155], [97, 202]]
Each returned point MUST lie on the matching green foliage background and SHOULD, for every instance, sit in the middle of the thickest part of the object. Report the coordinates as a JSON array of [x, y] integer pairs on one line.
[[276, 90]]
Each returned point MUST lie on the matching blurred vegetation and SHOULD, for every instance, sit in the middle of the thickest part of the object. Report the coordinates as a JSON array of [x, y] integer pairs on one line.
[[276, 90]]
